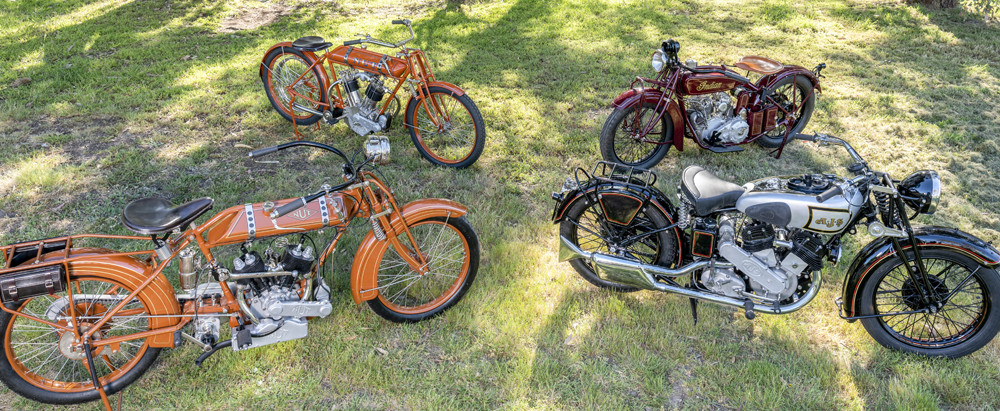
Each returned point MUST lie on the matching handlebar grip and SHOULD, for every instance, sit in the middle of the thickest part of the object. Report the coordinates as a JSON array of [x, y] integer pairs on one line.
[[399, 22], [263, 151], [804, 137], [353, 42], [287, 208], [828, 194]]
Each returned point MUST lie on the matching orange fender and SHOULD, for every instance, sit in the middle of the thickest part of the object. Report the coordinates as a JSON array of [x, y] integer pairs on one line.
[[456, 90], [158, 297], [309, 55], [364, 271]]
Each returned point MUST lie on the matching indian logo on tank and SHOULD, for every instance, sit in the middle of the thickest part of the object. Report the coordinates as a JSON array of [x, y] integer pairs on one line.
[[302, 214], [709, 85], [827, 220]]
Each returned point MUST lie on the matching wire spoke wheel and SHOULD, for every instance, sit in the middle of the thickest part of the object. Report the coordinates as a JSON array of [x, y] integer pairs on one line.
[[590, 230], [50, 360], [954, 311], [795, 95], [446, 128], [451, 250], [622, 140], [283, 69]]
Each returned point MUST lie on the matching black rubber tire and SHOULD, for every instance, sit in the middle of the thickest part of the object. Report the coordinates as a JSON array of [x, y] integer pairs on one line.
[[267, 80], [613, 151], [986, 322], [468, 155], [16, 383], [805, 88], [468, 234], [665, 242]]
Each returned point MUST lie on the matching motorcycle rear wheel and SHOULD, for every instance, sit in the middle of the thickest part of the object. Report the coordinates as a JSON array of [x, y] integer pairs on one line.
[[585, 224], [965, 323], [785, 92], [451, 248], [282, 66], [619, 144], [33, 364]]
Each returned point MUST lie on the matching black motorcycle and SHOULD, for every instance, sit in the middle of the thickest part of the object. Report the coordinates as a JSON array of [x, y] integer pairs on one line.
[[762, 246]]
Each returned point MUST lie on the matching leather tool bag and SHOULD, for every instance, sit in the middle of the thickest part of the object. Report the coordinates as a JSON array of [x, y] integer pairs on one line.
[[32, 282]]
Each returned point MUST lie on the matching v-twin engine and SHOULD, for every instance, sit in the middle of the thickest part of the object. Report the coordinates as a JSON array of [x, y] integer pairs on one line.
[[714, 119], [362, 111]]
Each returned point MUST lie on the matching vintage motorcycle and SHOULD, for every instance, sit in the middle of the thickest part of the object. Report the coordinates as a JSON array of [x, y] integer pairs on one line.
[[445, 125], [80, 322], [713, 105], [926, 290]]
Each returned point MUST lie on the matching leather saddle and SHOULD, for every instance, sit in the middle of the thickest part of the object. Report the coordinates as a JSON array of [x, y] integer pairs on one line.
[[157, 216], [707, 192], [758, 64], [310, 43]]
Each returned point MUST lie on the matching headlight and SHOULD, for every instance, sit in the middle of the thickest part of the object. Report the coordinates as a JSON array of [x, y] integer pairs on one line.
[[921, 191], [659, 60], [377, 148]]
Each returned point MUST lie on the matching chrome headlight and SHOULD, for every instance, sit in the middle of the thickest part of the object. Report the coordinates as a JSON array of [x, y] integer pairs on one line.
[[659, 60], [377, 148], [921, 191]]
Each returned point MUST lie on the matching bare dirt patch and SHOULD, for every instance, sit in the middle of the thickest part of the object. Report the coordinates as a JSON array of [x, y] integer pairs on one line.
[[252, 18]]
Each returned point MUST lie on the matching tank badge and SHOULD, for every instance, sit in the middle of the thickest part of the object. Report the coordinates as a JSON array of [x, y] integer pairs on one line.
[[708, 85], [302, 214], [827, 220]]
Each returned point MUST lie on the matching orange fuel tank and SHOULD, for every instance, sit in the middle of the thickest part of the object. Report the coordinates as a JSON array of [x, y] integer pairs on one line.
[[233, 226], [370, 61]]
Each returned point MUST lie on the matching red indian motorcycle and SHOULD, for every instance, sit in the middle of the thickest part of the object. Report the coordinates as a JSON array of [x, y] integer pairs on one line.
[[713, 105]]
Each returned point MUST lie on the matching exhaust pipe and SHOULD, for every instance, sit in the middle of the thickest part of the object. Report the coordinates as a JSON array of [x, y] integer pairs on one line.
[[642, 275]]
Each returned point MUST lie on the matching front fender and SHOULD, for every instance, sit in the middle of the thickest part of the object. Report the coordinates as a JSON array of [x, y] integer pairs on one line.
[[633, 97], [879, 251], [455, 90], [364, 270], [158, 297]]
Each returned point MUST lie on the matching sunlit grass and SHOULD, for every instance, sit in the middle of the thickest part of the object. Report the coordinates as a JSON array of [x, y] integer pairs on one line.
[[115, 111]]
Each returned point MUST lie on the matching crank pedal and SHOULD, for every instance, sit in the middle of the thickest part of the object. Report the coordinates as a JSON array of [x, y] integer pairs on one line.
[[730, 149], [694, 309]]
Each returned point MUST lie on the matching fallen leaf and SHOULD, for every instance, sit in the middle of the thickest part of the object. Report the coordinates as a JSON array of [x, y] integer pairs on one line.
[[20, 82], [186, 58], [351, 338], [569, 340], [381, 351], [70, 48], [241, 145]]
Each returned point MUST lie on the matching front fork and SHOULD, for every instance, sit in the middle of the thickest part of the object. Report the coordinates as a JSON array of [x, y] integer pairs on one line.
[[381, 221], [917, 271]]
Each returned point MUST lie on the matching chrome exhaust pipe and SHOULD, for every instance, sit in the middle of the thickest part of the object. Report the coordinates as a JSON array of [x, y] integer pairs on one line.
[[641, 275], [306, 109]]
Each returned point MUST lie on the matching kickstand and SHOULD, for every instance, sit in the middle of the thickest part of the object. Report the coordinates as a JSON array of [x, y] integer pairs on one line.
[[97, 383], [694, 309]]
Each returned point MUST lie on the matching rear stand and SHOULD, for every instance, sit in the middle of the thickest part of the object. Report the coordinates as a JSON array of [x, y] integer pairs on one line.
[[781, 148], [97, 383], [295, 125]]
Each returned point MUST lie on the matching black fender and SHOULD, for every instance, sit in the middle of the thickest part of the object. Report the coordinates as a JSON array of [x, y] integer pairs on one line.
[[636, 96], [565, 200], [879, 251]]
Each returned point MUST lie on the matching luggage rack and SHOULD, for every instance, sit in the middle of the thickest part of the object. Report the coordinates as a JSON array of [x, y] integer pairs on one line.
[[606, 171], [28, 254]]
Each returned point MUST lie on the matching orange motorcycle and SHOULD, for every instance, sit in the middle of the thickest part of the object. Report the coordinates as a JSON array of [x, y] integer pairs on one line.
[[81, 322], [444, 123]]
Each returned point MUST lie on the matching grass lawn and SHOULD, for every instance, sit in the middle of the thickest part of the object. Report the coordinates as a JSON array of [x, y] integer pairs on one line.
[[107, 101]]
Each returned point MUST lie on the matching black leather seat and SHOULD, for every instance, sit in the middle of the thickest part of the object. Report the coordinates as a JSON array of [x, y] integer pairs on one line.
[[157, 216], [707, 192], [310, 43]]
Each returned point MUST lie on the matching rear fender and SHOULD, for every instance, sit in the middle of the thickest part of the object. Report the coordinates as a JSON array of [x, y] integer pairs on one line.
[[364, 270], [788, 71], [656, 198], [880, 252], [287, 44], [158, 297], [635, 96]]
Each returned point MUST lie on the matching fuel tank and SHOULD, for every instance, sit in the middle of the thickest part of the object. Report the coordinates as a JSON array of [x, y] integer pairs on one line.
[[232, 225], [705, 83], [370, 61], [791, 201]]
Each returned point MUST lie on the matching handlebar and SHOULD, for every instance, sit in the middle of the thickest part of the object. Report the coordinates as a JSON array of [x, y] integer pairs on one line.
[[729, 74], [268, 150], [369, 39]]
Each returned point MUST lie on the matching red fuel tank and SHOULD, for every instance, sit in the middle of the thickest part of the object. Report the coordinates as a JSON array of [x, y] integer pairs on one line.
[[693, 84]]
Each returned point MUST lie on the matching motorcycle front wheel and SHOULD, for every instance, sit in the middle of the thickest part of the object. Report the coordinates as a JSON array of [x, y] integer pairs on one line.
[[451, 248], [621, 142], [586, 226], [38, 362], [447, 129], [958, 320]]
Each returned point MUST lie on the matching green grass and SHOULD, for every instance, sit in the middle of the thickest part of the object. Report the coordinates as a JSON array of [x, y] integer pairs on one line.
[[114, 111]]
